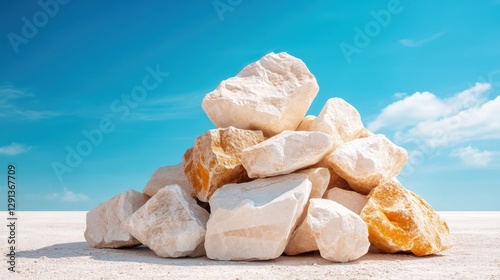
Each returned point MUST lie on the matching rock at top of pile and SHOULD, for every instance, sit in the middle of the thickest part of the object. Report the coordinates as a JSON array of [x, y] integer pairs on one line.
[[106, 222], [399, 220], [339, 234], [338, 119], [254, 220], [215, 159], [272, 95], [168, 175], [285, 153], [171, 224], [368, 162]]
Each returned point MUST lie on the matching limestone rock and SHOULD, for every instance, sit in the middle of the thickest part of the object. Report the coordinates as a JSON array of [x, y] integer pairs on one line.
[[349, 199], [362, 133], [168, 175], [399, 220], [338, 233], [306, 122], [106, 222], [367, 162], [171, 224], [272, 95], [285, 153], [215, 159], [338, 119], [319, 177], [335, 180], [254, 220]]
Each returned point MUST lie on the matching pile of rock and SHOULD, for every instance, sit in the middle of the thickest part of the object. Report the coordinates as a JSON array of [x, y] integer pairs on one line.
[[276, 181]]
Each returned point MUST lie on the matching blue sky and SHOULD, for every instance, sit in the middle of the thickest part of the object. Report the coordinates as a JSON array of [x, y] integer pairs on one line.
[[425, 73]]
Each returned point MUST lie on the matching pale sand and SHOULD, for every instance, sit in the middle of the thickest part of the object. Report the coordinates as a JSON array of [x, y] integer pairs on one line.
[[51, 246]]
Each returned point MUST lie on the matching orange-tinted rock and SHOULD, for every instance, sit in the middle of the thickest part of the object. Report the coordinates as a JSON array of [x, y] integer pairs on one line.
[[399, 220], [215, 159]]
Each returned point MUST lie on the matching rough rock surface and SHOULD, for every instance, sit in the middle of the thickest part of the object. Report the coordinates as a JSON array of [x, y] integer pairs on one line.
[[362, 133], [171, 224], [272, 95], [215, 159], [368, 162], [349, 199], [254, 220], [106, 222], [306, 122], [319, 178], [168, 175], [338, 119], [399, 220], [335, 180], [338, 233], [285, 153]]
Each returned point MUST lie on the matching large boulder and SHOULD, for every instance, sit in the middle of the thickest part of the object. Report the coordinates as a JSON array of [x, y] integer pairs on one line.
[[368, 162], [399, 220], [171, 224], [254, 220], [106, 223], [272, 95], [215, 159], [285, 153], [349, 199], [339, 234], [338, 119], [168, 175]]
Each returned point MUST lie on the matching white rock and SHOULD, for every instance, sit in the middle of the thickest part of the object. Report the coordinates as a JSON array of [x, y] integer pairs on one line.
[[171, 224], [368, 162], [254, 220], [349, 199], [338, 233], [106, 222], [306, 122], [338, 119], [272, 95], [320, 178], [285, 153], [168, 175]]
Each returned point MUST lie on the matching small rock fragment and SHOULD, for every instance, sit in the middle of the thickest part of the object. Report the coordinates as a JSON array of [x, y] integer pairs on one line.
[[106, 222], [168, 175], [285, 153], [171, 224], [349, 199], [367, 162], [306, 122]]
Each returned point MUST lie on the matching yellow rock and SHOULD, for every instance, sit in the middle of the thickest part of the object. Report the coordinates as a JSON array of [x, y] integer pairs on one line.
[[215, 159], [399, 220]]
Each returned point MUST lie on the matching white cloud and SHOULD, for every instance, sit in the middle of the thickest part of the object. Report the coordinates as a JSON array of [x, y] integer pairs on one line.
[[425, 108], [410, 43], [14, 149], [473, 157], [66, 196]]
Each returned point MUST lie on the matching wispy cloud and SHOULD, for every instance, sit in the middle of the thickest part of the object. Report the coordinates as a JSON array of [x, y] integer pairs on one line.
[[410, 43], [14, 149], [66, 196], [473, 157], [167, 108], [9, 108]]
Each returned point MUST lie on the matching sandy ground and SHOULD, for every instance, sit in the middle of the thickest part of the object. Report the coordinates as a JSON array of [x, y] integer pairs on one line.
[[51, 246]]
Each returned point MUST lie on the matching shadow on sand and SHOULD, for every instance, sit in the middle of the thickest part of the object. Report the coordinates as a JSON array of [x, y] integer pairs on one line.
[[143, 254]]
